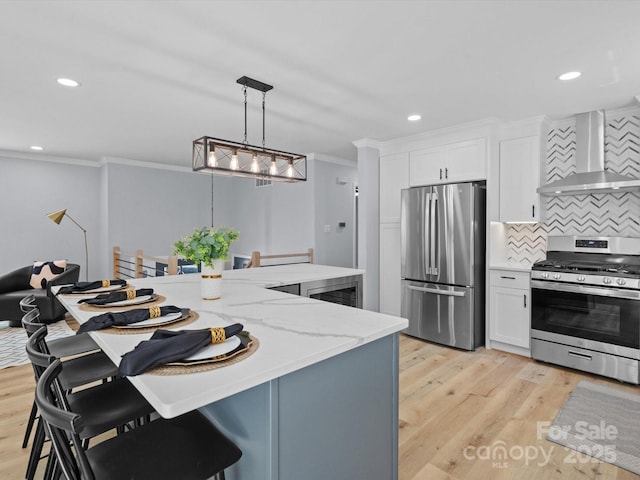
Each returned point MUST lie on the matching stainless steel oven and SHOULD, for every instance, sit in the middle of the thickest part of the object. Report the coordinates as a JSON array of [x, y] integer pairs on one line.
[[585, 311]]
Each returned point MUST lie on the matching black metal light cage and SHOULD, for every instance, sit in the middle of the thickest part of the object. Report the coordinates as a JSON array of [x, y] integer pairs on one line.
[[226, 157], [217, 156]]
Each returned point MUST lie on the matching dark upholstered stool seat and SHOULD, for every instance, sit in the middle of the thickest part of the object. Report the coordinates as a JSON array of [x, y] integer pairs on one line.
[[187, 447]]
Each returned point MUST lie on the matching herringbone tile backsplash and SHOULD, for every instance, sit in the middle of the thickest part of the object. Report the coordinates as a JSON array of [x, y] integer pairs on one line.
[[526, 243], [597, 214]]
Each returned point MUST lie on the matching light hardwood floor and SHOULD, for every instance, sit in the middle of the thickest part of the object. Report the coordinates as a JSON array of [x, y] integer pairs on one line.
[[449, 400]]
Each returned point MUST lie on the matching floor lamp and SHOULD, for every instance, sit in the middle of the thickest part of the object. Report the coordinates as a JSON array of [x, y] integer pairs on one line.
[[57, 217]]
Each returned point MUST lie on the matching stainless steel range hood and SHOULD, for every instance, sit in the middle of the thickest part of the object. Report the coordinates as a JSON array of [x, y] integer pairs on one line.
[[590, 176]]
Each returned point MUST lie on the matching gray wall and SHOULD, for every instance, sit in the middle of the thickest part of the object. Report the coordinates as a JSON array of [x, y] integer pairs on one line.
[[334, 191], [146, 206], [31, 189]]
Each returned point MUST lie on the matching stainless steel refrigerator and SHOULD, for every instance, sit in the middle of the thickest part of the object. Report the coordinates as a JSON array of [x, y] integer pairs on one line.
[[443, 263]]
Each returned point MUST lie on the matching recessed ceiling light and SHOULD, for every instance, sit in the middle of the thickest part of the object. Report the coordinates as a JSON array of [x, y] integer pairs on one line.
[[68, 82], [414, 117], [569, 75], [36, 147]]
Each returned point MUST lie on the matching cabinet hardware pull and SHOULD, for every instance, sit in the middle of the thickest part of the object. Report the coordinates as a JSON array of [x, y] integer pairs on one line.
[[446, 173], [440, 174], [533, 210], [508, 278], [525, 300]]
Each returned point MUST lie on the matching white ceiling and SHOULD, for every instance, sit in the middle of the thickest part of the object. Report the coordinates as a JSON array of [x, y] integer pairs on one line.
[[156, 75]]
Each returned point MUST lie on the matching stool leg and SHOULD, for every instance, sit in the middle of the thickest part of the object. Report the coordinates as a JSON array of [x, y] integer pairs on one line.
[[36, 450], [32, 417]]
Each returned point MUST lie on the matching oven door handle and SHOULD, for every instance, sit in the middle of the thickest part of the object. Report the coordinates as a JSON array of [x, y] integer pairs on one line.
[[584, 289]]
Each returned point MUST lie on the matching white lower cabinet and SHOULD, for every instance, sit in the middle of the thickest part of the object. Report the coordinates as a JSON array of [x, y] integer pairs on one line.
[[510, 307]]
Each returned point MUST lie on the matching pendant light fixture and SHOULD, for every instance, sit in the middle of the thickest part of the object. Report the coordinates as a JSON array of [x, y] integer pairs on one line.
[[225, 157]]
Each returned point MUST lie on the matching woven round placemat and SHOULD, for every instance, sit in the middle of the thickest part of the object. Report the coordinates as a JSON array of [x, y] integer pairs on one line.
[[203, 367], [92, 308], [192, 317]]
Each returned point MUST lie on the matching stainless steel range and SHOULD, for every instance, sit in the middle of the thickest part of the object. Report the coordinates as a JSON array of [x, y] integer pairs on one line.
[[585, 311]]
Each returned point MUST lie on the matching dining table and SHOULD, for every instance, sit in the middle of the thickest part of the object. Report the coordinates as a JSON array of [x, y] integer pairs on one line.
[[314, 395]]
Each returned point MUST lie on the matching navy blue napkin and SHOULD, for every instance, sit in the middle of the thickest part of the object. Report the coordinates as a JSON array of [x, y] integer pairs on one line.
[[106, 298], [80, 287], [109, 319], [166, 346]]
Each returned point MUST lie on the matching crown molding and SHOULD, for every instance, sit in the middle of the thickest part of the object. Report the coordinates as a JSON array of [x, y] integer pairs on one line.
[[331, 159], [367, 142], [137, 163], [43, 157]]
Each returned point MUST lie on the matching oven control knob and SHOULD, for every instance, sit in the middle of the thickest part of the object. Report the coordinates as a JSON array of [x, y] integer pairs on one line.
[[606, 280], [621, 281], [581, 278], [545, 275], [556, 276]]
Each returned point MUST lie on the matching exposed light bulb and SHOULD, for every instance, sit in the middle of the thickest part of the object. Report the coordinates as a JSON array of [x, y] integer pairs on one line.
[[273, 169], [290, 169], [254, 163], [234, 161], [212, 161]]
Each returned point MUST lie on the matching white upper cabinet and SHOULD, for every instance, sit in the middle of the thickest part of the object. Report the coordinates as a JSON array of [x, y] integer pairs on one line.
[[454, 162], [522, 147], [394, 176], [519, 179]]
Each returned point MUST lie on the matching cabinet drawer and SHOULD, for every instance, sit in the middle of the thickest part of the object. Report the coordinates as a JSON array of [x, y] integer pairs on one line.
[[509, 279]]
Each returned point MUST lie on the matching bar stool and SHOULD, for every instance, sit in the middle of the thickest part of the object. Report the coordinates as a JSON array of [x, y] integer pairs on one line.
[[187, 447], [91, 366], [105, 406], [60, 347]]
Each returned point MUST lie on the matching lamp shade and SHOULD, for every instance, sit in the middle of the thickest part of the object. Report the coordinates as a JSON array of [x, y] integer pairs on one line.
[[57, 216]]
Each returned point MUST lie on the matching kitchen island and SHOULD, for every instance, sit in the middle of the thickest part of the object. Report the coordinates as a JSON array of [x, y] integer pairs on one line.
[[318, 399]]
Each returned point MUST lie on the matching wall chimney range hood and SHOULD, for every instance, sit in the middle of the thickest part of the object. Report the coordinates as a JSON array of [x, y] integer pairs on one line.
[[590, 176]]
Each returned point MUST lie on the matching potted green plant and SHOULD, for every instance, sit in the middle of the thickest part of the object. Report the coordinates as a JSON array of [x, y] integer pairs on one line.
[[208, 246]]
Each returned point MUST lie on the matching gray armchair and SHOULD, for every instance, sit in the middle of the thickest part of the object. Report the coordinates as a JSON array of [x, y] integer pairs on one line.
[[14, 286]]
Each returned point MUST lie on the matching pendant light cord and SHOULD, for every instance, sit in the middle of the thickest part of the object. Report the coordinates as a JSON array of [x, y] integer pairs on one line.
[[212, 200], [264, 95], [245, 114]]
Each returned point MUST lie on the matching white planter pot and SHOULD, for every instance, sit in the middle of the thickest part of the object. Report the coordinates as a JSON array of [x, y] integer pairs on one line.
[[211, 281]]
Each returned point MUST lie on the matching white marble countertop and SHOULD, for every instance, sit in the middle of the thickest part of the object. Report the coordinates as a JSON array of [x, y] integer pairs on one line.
[[516, 267], [294, 332], [287, 274]]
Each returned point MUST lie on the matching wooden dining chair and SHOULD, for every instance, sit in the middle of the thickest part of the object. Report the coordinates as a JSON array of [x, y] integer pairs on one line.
[[188, 447]]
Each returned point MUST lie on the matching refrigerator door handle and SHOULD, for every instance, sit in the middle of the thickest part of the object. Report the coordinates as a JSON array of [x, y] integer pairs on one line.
[[433, 211], [449, 293], [426, 245]]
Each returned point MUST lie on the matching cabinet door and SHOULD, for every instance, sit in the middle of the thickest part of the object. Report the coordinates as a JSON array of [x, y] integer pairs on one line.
[[394, 176], [510, 316], [466, 161], [390, 286], [519, 179], [427, 166]]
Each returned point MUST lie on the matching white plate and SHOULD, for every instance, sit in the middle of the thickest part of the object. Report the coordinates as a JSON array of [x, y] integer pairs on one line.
[[211, 351], [153, 321], [132, 301]]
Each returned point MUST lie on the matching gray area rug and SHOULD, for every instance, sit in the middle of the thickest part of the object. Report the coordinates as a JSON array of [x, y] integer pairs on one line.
[[601, 422], [13, 341]]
